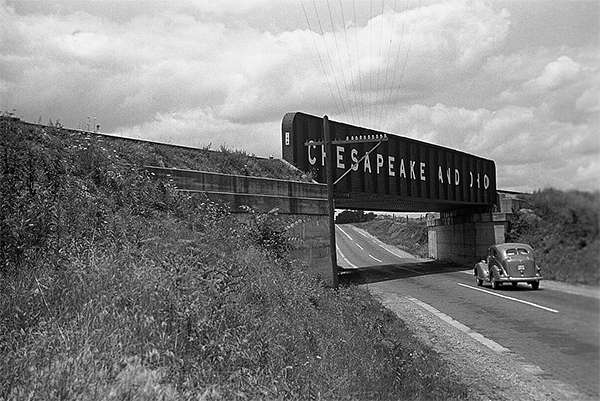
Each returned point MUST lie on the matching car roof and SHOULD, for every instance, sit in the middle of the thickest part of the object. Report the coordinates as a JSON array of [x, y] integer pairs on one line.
[[503, 247]]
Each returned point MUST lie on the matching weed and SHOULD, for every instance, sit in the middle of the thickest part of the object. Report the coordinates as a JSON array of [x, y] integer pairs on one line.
[[563, 228], [116, 286]]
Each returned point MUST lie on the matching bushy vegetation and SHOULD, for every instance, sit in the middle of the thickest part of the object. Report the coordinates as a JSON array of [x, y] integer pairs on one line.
[[563, 228], [354, 216], [138, 153], [117, 287], [409, 235]]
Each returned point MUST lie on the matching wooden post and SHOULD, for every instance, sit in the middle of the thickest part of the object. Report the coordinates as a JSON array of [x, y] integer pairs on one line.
[[329, 172]]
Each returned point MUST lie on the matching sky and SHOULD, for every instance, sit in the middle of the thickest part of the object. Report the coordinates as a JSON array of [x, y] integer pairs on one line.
[[515, 81]]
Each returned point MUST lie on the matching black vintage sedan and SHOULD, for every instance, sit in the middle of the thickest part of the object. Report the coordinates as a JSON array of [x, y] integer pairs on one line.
[[508, 263]]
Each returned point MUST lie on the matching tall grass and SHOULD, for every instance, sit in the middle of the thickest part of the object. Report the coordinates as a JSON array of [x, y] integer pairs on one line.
[[409, 235], [114, 286], [563, 228]]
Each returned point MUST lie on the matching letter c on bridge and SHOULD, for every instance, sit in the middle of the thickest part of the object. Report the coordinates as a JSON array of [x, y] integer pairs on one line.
[[312, 160]]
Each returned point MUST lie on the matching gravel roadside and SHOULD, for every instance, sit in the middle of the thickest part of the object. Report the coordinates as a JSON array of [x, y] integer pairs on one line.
[[491, 374]]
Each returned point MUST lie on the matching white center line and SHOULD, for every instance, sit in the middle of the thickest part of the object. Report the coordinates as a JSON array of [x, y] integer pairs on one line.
[[361, 248], [510, 298], [373, 257]]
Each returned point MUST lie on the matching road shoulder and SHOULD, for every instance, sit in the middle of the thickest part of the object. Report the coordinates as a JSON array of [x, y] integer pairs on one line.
[[490, 375], [582, 290]]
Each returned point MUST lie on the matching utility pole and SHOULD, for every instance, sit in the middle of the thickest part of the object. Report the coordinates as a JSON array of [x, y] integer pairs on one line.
[[330, 204], [330, 166]]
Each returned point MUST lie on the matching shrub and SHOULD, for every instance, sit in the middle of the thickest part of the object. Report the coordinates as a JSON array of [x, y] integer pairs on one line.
[[115, 286], [563, 228], [354, 216]]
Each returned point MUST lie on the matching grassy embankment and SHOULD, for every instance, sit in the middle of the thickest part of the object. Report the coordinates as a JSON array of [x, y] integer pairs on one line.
[[410, 235], [562, 226], [115, 286]]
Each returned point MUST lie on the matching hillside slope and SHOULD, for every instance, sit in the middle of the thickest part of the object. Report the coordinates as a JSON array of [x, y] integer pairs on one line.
[[563, 228], [115, 286], [409, 235]]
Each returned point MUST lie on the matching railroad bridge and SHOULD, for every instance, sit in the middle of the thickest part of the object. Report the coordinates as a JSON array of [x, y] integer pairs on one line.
[[372, 171], [378, 171]]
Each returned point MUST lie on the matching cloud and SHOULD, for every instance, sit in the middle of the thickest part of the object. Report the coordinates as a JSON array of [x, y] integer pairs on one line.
[[225, 72], [529, 150], [556, 74], [204, 128], [177, 60], [588, 101], [124, 73]]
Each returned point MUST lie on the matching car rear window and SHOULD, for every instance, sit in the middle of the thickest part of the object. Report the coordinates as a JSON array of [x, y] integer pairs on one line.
[[514, 251]]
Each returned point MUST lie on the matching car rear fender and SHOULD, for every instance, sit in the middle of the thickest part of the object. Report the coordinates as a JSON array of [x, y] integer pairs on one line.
[[482, 270], [496, 271]]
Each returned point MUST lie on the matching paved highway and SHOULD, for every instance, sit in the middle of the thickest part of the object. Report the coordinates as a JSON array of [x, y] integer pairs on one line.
[[556, 328]]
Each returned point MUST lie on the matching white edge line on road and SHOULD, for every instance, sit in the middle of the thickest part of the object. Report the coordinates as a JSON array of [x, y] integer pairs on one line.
[[494, 346], [352, 265], [385, 247], [360, 231], [345, 233], [381, 244], [510, 298]]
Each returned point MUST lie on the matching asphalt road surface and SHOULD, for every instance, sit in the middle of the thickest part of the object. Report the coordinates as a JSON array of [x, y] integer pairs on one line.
[[555, 328]]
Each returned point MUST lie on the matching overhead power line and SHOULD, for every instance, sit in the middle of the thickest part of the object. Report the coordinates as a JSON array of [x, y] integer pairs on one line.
[[362, 106], [329, 56], [387, 64], [408, 50], [367, 107], [357, 111], [388, 102], [339, 54], [320, 59]]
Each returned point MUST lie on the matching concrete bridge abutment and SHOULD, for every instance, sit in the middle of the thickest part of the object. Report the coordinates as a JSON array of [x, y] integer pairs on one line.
[[464, 238], [300, 206]]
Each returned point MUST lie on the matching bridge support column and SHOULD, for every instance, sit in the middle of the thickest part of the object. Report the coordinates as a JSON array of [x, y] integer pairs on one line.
[[463, 238]]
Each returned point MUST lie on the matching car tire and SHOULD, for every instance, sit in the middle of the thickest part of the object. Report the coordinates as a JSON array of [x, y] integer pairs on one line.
[[495, 284], [535, 285], [479, 282], [514, 284]]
